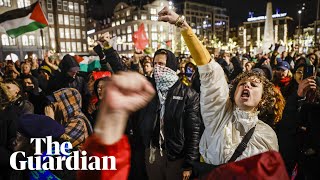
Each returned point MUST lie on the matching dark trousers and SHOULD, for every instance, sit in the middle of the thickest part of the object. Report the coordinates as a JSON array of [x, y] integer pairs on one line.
[[162, 168]]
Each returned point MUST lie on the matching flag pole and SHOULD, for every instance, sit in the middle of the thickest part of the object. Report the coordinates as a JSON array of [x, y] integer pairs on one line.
[[41, 35], [42, 44]]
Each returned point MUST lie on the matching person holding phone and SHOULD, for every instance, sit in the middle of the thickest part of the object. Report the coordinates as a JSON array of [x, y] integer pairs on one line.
[[302, 83]]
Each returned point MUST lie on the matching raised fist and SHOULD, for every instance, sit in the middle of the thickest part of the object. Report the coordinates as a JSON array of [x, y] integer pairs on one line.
[[127, 91], [167, 15]]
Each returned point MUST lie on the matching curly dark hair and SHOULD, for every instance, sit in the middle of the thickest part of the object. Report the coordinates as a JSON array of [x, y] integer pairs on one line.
[[272, 102]]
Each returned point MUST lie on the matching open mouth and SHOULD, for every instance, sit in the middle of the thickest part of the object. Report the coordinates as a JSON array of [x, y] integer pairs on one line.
[[245, 93]]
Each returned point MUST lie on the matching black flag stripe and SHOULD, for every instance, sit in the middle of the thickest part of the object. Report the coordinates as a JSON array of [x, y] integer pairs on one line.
[[17, 13]]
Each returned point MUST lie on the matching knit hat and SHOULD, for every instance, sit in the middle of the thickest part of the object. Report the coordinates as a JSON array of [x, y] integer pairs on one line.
[[68, 63], [259, 70], [267, 70], [39, 126]]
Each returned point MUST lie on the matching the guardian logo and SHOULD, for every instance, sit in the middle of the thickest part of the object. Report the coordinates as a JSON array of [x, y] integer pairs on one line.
[[59, 154]]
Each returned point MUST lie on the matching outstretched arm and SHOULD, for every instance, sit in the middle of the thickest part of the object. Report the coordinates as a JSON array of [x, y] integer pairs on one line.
[[214, 88], [47, 61], [108, 55]]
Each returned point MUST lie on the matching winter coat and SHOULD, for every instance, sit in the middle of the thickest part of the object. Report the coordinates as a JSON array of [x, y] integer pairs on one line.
[[225, 124], [286, 129], [7, 136], [121, 152], [76, 123], [63, 80], [181, 124]]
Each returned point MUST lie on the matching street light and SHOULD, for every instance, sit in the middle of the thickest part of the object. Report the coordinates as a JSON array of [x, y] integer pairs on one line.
[[315, 25], [299, 12]]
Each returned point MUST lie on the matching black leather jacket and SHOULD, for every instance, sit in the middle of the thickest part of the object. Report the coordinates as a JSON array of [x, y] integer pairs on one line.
[[181, 123]]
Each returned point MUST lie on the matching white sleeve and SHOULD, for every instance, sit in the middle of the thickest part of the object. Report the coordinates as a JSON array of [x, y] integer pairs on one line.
[[216, 107]]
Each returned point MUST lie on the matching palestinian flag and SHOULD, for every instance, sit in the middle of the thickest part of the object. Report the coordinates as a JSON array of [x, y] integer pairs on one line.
[[23, 20], [88, 64]]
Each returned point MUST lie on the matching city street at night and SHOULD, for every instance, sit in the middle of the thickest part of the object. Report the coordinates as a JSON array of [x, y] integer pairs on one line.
[[159, 89]]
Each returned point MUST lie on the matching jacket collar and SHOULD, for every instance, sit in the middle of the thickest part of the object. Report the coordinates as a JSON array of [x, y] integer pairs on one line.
[[244, 120]]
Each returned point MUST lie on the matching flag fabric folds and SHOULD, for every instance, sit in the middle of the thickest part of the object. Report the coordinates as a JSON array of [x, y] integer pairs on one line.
[[20, 21], [88, 64], [140, 38]]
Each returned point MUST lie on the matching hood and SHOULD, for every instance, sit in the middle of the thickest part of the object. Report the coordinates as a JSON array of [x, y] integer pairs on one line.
[[193, 63], [35, 82], [171, 59], [68, 62], [267, 70], [69, 101], [301, 62]]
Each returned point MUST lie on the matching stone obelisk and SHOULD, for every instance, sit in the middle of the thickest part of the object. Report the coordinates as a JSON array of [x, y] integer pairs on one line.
[[268, 38]]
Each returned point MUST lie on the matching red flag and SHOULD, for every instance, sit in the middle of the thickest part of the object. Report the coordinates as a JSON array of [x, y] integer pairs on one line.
[[168, 43], [140, 38]]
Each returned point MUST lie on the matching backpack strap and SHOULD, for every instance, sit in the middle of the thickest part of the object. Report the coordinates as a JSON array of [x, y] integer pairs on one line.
[[242, 146]]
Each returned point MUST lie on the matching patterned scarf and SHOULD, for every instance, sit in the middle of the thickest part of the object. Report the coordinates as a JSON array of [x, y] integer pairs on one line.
[[165, 78]]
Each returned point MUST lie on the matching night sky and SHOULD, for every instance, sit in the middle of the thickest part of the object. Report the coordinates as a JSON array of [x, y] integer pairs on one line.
[[238, 10]]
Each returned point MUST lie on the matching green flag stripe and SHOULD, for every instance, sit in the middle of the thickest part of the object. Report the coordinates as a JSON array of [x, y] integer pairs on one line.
[[24, 29]]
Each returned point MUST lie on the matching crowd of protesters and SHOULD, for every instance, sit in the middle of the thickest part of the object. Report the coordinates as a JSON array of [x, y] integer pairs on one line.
[[204, 107]]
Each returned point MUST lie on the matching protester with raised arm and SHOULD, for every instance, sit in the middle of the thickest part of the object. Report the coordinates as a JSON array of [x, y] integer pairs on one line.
[[228, 115]]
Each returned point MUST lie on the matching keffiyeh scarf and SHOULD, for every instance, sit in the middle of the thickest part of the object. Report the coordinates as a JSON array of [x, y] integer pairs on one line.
[[165, 78]]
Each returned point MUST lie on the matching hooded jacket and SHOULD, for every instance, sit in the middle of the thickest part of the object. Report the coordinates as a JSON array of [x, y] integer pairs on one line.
[[63, 80], [195, 79], [181, 120], [171, 58], [76, 123]]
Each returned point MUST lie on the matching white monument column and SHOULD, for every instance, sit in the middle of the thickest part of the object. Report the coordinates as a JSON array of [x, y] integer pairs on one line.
[[268, 38]]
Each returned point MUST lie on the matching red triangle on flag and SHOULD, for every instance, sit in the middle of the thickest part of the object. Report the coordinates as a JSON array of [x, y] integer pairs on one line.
[[38, 15], [140, 39]]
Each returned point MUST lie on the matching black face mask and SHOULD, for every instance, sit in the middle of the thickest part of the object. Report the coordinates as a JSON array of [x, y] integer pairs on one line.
[[70, 79], [29, 89]]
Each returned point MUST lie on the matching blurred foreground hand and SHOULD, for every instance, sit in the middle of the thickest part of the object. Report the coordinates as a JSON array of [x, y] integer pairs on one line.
[[125, 93]]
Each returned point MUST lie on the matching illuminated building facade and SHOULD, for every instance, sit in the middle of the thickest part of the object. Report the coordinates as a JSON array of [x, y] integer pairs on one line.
[[126, 20], [66, 32], [250, 34], [207, 21]]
